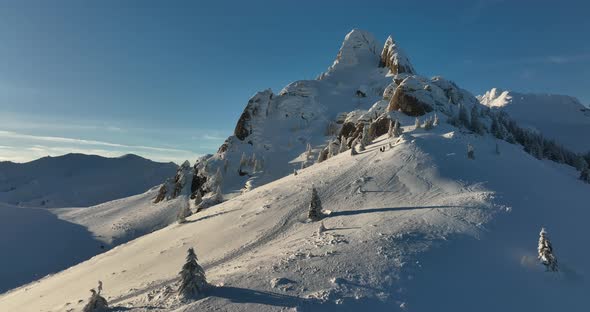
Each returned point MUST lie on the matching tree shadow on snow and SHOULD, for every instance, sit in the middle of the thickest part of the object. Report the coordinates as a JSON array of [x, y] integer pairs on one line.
[[374, 210]]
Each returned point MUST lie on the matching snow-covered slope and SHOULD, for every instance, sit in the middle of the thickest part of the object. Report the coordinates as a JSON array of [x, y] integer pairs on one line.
[[388, 210], [77, 180], [68, 236], [559, 117]]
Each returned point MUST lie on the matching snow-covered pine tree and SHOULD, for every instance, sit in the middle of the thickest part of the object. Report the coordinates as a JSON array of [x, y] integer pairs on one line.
[[366, 139], [96, 303], [218, 195], [545, 251], [353, 149], [580, 163], [435, 121], [475, 125], [333, 148], [390, 130], [185, 211], [252, 160], [315, 206], [343, 145], [463, 117], [362, 145], [308, 151], [417, 123], [470, 151], [258, 165], [243, 160], [397, 129], [198, 198], [428, 124], [192, 277], [585, 175]]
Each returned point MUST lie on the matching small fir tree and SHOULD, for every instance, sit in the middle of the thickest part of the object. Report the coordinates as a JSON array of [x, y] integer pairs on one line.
[[218, 195], [343, 145], [545, 251], [192, 277], [184, 213], [397, 129], [435, 121], [417, 123], [366, 138], [585, 175], [198, 198], [470, 151], [315, 206], [390, 129], [475, 125], [463, 117]]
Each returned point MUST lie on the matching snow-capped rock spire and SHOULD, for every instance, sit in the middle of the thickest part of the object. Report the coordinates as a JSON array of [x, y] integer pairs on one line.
[[395, 59], [358, 47]]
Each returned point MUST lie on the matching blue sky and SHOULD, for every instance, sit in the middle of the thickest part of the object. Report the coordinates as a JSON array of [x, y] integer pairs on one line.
[[168, 79]]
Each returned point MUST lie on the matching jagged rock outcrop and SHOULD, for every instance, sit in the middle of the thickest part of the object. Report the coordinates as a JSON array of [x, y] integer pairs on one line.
[[380, 126], [257, 106], [412, 97], [180, 184], [395, 59]]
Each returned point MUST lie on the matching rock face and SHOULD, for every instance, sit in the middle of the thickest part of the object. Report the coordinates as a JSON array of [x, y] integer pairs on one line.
[[395, 59], [380, 126], [257, 106], [180, 184], [412, 97]]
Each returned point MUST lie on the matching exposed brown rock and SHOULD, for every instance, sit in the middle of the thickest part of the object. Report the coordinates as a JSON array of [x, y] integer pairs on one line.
[[380, 126], [161, 193], [347, 129], [405, 102]]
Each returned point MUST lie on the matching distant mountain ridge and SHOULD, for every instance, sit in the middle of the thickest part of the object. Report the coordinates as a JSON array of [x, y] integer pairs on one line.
[[559, 117], [78, 180]]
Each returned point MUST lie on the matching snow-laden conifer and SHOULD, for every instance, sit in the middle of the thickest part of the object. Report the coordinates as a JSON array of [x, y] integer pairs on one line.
[[470, 151], [397, 129], [545, 251], [435, 121], [585, 175], [417, 123], [428, 124], [192, 277], [308, 153], [390, 129], [343, 145], [96, 303], [366, 139], [463, 116], [475, 124], [315, 206], [184, 212], [198, 198]]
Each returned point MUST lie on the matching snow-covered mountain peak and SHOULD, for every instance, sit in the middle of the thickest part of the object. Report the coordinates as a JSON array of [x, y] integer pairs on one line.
[[358, 46], [394, 58]]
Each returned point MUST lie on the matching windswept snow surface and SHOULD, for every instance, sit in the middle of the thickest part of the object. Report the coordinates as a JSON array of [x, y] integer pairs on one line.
[[559, 117], [389, 210], [78, 180]]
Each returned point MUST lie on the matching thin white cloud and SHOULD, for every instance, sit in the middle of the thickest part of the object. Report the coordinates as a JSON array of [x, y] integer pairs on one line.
[[15, 135]]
